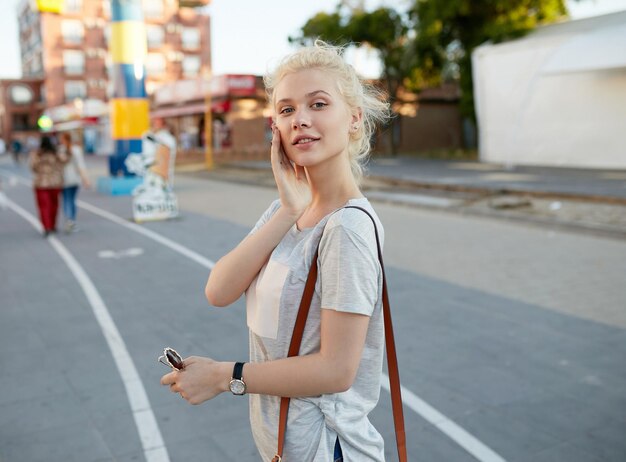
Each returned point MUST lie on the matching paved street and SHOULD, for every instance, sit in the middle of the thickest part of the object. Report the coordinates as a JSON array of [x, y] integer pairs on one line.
[[511, 338]]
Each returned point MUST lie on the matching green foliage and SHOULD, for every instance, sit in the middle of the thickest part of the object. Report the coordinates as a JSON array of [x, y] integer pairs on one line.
[[328, 27], [441, 24]]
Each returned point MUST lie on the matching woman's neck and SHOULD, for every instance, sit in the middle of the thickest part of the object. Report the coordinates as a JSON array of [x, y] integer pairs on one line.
[[331, 187]]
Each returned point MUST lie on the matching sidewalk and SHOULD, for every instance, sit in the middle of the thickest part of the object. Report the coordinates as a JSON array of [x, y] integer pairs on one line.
[[577, 199], [607, 186]]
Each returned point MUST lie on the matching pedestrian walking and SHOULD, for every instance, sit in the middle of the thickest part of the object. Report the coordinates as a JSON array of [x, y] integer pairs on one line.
[[16, 150], [324, 117], [74, 174], [47, 166]]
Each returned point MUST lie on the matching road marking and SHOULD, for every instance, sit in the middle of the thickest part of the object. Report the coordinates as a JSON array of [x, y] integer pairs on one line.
[[471, 444], [456, 433], [151, 440], [148, 233], [132, 252]]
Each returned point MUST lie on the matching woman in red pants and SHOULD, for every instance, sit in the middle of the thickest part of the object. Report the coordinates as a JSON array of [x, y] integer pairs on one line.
[[47, 166]]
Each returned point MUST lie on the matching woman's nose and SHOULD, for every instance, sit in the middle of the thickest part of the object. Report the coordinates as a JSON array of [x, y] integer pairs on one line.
[[301, 121]]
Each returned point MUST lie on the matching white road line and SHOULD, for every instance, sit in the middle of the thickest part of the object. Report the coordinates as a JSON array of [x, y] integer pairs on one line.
[[456, 433], [148, 233], [151, 440], [471, 444]]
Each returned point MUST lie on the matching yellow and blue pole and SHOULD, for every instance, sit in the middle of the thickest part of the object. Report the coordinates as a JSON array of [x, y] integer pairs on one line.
[[129, 106]]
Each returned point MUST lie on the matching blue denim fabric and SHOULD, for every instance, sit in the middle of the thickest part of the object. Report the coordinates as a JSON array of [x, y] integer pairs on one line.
[[69, 202], [338, 454]]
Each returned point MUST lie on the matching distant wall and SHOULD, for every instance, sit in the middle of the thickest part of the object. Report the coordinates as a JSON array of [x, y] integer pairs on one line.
[[436, 125]]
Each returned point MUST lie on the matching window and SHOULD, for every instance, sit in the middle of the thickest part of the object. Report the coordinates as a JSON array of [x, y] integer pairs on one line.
[[73, 62], [153, 9], [190, 38], [72, 31], [107, 34], [36, 65], [33, 67], [155, 64], [73, 6], [106, 8], [75, 89], [20, 94], [155, 36], [191, 66], [108, 65], [20, 122]]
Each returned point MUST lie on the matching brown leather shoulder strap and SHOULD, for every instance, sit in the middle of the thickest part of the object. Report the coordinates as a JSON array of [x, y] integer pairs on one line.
[[294, 349], [392, 361]]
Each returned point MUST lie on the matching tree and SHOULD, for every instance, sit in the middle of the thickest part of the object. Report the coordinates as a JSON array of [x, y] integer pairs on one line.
[[384, 30], [449, 30], [328, 27]]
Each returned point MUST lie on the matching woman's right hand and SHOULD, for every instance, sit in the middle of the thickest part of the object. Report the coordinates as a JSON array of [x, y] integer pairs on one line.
[[291, 179]]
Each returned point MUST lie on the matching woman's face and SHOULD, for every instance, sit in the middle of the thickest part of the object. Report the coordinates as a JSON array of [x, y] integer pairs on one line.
[[312, 117]]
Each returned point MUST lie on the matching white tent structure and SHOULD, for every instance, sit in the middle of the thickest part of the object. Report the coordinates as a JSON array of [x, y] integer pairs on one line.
[[556, 96]]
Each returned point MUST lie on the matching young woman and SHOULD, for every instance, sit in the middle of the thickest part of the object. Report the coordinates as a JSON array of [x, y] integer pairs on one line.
[[74, 174], [47, 166], [324, 118]]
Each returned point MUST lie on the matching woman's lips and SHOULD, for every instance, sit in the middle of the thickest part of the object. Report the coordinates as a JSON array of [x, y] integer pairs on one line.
[[305, 140]]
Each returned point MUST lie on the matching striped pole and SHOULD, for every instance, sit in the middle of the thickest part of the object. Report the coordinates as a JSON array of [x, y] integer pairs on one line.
[[129, 106]]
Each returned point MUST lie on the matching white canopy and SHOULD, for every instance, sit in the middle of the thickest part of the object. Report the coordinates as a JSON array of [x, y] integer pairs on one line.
[[556, 96]]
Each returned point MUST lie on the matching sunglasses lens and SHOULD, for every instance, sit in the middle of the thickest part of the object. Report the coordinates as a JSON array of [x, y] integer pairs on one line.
[[174, 358]]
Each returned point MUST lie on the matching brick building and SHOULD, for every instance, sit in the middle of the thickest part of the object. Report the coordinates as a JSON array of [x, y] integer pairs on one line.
[[65, 44], [21, 104]]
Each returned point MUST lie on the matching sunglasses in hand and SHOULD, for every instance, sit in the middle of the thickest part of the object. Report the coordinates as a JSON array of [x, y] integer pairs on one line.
[[171, 358]]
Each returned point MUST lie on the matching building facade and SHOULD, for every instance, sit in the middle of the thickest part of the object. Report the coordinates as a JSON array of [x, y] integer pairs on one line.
[[66, 44], [21, 105], [240, 119]]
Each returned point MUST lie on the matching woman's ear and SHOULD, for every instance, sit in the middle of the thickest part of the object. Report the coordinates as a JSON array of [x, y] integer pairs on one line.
[[357, 117]]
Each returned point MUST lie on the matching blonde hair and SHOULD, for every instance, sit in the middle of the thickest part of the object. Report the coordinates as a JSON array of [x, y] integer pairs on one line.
[[358, 95]]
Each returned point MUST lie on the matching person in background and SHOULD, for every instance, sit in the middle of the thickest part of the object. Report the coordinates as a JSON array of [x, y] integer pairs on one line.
[[74, 174], [16, 150], [47, 165]]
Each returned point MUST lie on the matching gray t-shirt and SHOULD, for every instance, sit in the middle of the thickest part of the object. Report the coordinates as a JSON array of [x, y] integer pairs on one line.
[[349, 280]]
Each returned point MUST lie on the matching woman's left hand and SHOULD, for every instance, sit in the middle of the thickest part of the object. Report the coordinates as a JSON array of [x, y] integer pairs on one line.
[[200, 380]]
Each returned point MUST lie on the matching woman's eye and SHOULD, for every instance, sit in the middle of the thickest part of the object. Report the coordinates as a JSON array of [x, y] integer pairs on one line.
[[319, 104], [285, 110]]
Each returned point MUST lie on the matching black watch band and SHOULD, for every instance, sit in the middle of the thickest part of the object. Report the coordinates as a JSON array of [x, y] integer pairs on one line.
[[237, 385], [238, 371]]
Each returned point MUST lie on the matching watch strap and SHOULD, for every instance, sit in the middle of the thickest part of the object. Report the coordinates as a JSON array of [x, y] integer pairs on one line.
[[238, 371]]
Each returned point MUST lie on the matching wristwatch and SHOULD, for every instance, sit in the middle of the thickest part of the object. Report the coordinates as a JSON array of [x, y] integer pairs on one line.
[[237, 385]]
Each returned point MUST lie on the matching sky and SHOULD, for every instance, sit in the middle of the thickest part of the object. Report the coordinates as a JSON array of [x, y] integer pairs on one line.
[[250, 36]]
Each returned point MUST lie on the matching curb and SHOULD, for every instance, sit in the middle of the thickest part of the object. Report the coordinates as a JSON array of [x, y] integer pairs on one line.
[[447, 187], [457, 205]]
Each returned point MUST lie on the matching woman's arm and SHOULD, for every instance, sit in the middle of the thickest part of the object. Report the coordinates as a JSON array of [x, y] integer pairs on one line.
[[233, 273], [33, 160], [79, 158], [331, 370]]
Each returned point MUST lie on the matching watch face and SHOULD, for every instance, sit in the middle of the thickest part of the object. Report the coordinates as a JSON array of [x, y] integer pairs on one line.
[[237, 387]]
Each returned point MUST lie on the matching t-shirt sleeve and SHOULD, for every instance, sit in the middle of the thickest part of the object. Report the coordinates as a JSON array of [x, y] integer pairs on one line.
[[271, 210], [350, 277]]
